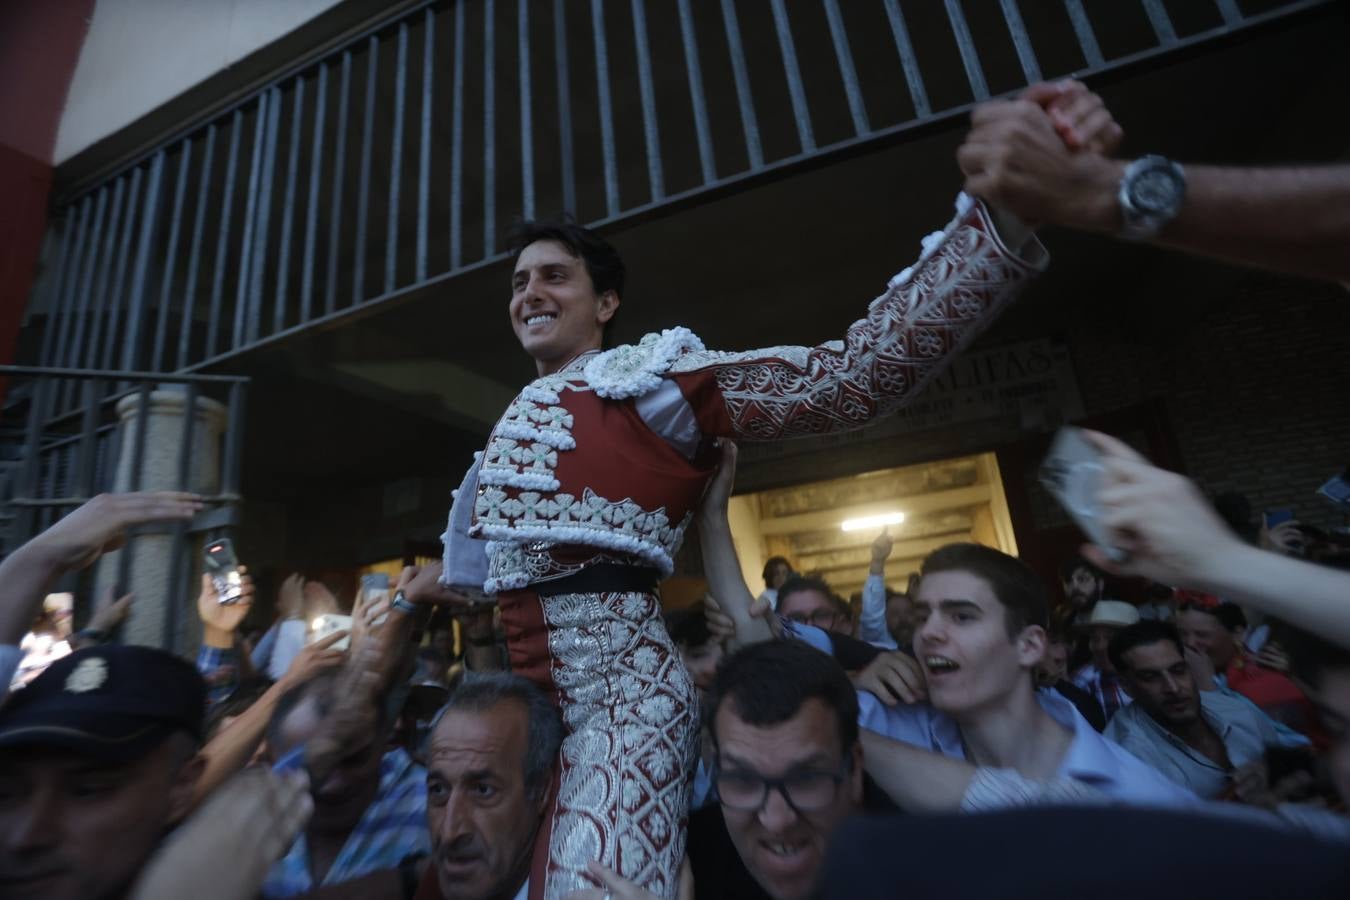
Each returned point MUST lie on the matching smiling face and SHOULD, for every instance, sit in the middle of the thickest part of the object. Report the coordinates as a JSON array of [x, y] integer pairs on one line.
[[962, 643], [555, 311], [480, 815], [782, 847]]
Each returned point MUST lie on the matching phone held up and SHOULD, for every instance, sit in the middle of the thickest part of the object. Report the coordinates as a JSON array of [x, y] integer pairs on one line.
[[375, 588], [1072, 472], [327, 624], [223, 567]]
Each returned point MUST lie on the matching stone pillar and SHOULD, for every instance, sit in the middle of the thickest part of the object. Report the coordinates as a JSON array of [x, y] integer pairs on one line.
[[151, 556]]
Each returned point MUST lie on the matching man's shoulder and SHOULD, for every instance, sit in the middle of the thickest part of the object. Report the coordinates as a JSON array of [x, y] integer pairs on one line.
[[1231, 708], [1127, 724], [912, 723], [631, 370]]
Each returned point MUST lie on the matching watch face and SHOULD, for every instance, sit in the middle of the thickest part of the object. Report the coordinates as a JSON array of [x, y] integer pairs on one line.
[[1154, 191]]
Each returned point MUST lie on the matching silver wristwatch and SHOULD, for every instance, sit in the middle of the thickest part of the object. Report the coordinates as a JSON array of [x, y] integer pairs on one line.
[[1151, 193]]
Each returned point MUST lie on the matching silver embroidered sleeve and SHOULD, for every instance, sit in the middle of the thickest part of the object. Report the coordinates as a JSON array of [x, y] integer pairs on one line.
[[928, 313]]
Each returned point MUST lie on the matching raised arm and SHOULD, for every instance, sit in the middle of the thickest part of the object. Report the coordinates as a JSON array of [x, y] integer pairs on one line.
[[1173, 536], [720, 562], [927, 314], [231, 749], [73, 543], [1292, 219], [872, 620]]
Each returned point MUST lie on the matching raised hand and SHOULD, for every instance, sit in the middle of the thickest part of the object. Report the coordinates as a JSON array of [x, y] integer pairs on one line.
[[224, 617], [881, 551], [1080, 117], [1160, 519], [1287, 538], [422, 585], [893, 677], [1018, 158], [101, 525], [314, 658], [291, 597]]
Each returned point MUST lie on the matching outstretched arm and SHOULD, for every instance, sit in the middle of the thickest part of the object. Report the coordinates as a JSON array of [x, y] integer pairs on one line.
[[928, 313], [73, 543], [1291, 219], [1174, 536], [919, 780]]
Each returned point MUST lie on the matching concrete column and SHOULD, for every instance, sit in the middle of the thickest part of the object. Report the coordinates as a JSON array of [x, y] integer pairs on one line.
[[151, 557]]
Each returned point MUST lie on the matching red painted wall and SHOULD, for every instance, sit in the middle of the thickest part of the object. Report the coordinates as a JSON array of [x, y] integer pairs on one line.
[[40, 44]]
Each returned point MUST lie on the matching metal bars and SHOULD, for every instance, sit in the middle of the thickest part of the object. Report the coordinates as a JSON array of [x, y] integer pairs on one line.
[[1017, 30], [68, 458], [286, 253]]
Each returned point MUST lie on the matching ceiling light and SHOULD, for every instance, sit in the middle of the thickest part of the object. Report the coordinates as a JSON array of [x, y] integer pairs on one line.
[[891, 518]]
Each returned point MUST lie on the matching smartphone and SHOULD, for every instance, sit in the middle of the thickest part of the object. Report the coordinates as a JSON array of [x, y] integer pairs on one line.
[[374, 588], [1275, 517], [1072, 472], [1337, 490], [223, 567], [328, 623]]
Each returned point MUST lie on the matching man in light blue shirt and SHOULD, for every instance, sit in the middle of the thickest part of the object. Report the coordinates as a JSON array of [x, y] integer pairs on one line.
[[980, 620], [1205, 740]]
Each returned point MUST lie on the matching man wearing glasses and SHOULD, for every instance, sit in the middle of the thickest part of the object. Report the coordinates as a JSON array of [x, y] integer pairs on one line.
[[788, 769], [808, 601]]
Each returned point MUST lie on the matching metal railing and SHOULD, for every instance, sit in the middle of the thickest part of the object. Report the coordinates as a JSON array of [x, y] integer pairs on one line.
[[393, 162], [63, 437]]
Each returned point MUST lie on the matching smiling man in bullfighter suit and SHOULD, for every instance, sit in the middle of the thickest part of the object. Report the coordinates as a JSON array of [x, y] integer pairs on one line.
[[576, 507]]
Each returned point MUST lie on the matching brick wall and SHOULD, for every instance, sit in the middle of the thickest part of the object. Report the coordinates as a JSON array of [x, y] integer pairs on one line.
[[1256, 388]]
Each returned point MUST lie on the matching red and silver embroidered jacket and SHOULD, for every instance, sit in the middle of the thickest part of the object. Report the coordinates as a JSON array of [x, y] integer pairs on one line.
[[609, 457]]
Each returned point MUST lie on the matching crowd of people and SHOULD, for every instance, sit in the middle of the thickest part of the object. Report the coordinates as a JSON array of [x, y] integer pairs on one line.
[[522, 720]]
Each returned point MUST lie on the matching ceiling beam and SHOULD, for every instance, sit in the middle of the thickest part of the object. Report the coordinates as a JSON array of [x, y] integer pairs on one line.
[[862, 557], [916, 505]]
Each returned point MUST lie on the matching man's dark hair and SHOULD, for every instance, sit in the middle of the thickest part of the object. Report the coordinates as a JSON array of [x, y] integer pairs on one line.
[[1015, 586], [602, 261], [1079, 561], [772, 563], [1230, 615], [478, 692], [768, 683], [688, 627], [798, 583], [1141, 634]]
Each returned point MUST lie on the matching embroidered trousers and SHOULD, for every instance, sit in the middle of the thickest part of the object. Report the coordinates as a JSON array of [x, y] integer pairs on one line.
[[625, 772]]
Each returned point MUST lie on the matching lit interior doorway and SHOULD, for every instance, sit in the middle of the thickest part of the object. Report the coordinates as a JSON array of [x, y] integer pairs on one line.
[[826, 528]]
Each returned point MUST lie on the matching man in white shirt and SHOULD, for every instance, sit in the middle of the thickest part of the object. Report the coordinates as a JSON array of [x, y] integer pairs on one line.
[[980, 631], [1212, 742]]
